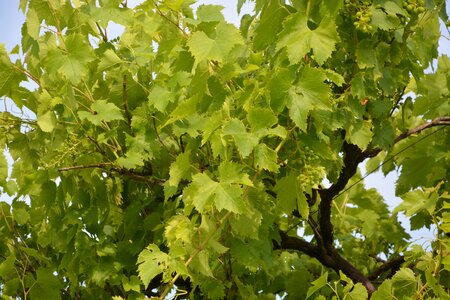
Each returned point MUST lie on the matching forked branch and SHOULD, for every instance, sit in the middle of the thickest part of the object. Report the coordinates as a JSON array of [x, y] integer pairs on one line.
[[325, 251]]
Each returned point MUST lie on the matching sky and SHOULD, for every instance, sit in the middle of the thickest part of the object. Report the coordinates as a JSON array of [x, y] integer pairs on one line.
[[11, 20]]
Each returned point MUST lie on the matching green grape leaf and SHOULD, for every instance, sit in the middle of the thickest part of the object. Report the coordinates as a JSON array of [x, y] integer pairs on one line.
[[310, 93], [151, 262], [290, 196], [384, 291], [245, 141], [47, 121], [404, 283], [215, 289], [231, 172], [358, 292], [417, 200], [299, 39], [102, 112], [336, 78], [266, 158], [108, 60], [260, 118], [10, 77], [131, 284], [279, 85], [3, 168], [203, 192], [7, 265], [179, 169], [72, 62], [365, 54], [200, 263], [217, 46], [210, 13], [21, 216], [33, 24], [131, 160], [228, 197], [382, 20], [272, 17], [317, 284], [361, 134], [47, 286], [384, 134], [160, 97]]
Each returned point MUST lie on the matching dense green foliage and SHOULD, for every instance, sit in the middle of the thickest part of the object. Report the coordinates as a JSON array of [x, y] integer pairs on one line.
[[188, 156]]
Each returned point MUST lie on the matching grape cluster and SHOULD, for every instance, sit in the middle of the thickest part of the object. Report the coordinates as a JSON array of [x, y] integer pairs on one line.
[[360, 14], [311, 173], [414, 6], [363, 18]]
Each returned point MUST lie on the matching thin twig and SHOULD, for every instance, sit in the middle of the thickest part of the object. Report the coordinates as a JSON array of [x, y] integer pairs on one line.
[[80, 167], [435, 122], [28, 74], [125, 100], [103, 34], [400, 96], [161, 14]]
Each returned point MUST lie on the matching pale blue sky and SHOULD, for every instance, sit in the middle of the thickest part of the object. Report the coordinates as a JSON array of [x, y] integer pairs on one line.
[[11, 20]]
